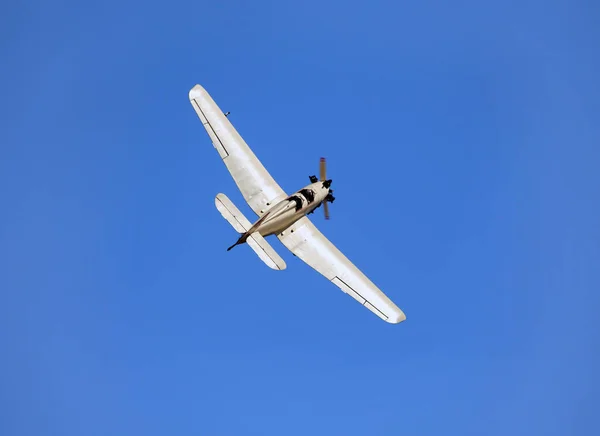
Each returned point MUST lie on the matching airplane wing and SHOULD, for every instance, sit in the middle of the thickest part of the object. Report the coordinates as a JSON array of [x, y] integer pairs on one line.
[[256, 184], [309, 244]]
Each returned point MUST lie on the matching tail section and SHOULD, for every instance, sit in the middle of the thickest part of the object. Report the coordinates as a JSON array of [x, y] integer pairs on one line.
[[231, 213], [255, 240], [264, 250]]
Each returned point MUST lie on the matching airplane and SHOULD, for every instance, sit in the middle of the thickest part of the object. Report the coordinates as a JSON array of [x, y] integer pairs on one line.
[[282, 215]]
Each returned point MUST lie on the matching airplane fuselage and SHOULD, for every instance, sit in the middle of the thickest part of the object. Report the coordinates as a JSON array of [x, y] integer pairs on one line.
[[285, 213], [288, 211]]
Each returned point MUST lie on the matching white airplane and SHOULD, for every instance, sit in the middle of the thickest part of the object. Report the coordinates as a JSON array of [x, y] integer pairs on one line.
[[284, 215]]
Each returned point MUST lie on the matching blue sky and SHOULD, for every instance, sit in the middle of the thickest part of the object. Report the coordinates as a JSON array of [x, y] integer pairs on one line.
[[462, 139]]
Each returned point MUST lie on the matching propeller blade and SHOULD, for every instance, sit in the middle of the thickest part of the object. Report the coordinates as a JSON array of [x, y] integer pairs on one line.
[[326, 209], [322, 169]]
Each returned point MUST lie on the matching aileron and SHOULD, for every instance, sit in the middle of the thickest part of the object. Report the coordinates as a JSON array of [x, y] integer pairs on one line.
[[309, 244], [255, 183]]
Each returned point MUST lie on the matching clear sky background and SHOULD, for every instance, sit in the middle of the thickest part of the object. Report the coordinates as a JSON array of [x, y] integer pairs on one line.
[[463, 143]]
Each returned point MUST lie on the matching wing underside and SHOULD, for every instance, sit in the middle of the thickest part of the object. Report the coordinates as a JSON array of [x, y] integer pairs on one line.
[[309, 244], [259, 189]]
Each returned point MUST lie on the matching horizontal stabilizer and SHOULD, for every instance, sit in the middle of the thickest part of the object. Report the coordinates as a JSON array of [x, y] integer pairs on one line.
[[264, 250], [241, 224], [232, 214]]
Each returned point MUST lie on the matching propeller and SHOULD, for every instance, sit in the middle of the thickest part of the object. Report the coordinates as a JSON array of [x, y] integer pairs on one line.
[[326, 183], [326, 209]]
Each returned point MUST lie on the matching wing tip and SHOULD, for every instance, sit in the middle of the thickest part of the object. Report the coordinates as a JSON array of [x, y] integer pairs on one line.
[[196, 92], [397, 318]]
